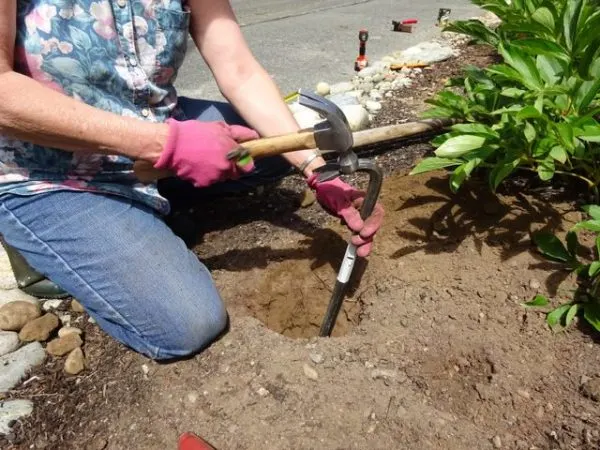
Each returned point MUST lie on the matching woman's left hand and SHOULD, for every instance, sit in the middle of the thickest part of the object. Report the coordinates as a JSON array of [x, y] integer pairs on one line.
[[344, 201]]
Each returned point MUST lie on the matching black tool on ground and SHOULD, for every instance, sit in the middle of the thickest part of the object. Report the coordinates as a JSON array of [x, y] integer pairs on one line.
[[348, 163], [362, 61], [443, 17]]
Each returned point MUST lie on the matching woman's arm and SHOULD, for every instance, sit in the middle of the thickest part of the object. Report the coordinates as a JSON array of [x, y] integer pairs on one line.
[[32, 112], [241, 79]]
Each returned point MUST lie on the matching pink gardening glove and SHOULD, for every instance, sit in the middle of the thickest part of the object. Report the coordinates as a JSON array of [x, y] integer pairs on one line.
[[197, 151], [343, 201]]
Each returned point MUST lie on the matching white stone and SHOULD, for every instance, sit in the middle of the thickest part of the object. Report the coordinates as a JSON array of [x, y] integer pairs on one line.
[[9, 342], [356, 94], [16, 295], [400, 83], [323, 88], [16, 365], [11, 411], [340, 88], [425, 52], [343, 99], [357, 117], [375, 95], [385, 86], [307, 118], [368, 72], [373, 106], [50, 305]]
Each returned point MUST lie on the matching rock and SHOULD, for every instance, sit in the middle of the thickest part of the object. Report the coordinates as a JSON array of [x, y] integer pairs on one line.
[[63, 345], [385, 86], [262, 392], [591, 389], [310, 372], [344, 99], [308, 198], [425, 52], [535, 284], [382, 374], [75, 361], [65, 319], [366, 87], [11, 411], [357, 116], [50, 305], [323, 88], [16, 365], [497, 442], [9, 342], [388, 95], [16, 295], [340, 88], [378, 78], [375, 96], [97, 443], [192, 397], [317, 358], [522, 393], [14, 315], [369, 71], [306, 117], [64, 331], [77, 307], [401, 83], [373, 106], [39, 329], [357, 94]]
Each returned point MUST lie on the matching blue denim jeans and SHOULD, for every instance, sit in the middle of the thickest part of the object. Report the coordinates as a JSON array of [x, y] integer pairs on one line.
[[120, 260]]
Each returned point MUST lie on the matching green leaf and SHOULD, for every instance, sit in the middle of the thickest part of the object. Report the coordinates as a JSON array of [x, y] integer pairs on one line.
[[459, 145], [431, 164], [546, 169], [440, 113], [512, 92], [538, 46], [544, 17], [529, 112], [474, 28], [593, 211], [523, 64], [594, 269], [539, 300], [559, 154], [592, 314], [555, 317], [571, 314], [458, 177], [501, 171], [550, 69], [590, 133], [530, 133], [551, 247], [591, 225], [570, 21], [475, 128], [566, 135], [587, 93]]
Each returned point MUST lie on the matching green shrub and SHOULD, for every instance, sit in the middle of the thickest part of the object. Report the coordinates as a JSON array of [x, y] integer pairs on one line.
[[537, 110], [586, 300]]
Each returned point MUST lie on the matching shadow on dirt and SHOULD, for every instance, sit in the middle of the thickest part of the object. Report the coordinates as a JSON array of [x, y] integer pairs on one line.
[[505, 221]]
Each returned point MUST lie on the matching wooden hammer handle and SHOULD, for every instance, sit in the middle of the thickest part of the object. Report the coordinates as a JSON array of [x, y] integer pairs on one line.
[[258, 148]]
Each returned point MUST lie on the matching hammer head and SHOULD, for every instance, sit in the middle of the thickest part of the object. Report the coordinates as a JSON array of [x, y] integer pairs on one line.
[[334, 132]]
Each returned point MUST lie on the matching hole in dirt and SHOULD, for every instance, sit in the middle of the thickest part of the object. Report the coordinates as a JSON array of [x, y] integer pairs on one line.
[[292, 298], [289, 289]]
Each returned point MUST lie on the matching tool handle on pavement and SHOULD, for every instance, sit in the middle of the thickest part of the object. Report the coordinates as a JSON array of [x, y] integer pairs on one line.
[[258, 148]]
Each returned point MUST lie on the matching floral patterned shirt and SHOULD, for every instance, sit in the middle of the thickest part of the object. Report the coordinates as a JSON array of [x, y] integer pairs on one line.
[[121, 56]]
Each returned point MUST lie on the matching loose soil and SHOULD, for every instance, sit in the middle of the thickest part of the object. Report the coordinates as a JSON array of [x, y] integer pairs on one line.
[[433, 350]]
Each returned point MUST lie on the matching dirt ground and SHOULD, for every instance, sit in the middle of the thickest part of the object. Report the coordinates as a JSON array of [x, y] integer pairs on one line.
[[433, 350]]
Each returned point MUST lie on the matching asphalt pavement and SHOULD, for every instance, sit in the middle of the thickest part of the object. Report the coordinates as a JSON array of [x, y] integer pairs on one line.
[[303, 42]]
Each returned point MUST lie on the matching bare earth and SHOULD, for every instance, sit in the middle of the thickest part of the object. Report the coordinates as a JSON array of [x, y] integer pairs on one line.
[[433, 350]]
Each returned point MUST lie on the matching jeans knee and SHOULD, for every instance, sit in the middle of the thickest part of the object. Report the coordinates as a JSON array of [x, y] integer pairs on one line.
[[195, 333]]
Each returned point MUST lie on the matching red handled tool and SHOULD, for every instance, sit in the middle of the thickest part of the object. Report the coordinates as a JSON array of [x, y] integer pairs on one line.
[[362, 61], [189, 441], [404, 26]]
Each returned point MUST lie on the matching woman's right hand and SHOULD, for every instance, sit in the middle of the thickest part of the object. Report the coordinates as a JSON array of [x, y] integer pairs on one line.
[[197, 151]]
